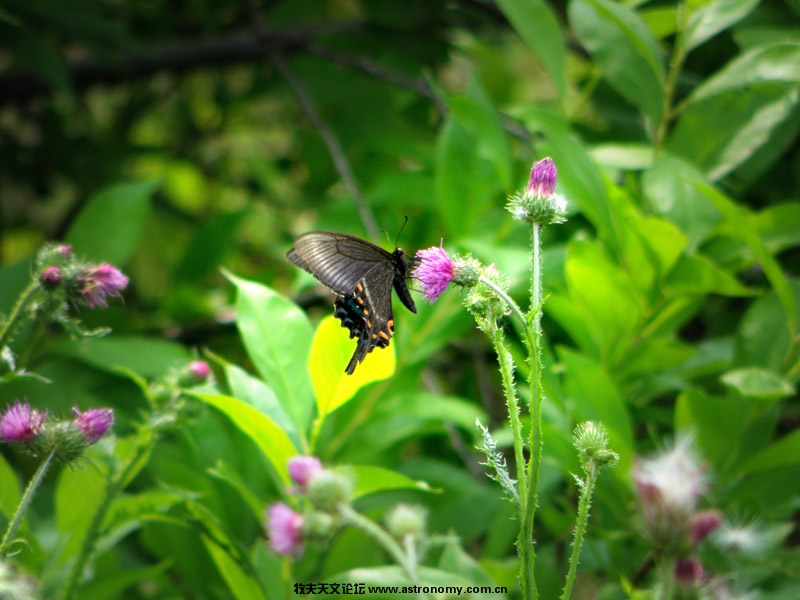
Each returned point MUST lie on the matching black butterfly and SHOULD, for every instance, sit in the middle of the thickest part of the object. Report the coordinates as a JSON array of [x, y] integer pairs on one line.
[[361, 274]]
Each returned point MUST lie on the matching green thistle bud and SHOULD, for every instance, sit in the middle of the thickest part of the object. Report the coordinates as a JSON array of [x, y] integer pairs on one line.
[[407, 520], [328, 489]]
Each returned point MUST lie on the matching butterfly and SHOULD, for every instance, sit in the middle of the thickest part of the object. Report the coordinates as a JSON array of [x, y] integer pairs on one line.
[[361, 275]]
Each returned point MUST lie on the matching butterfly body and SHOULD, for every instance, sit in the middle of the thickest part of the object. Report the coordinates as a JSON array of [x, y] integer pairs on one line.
[[362, 276]]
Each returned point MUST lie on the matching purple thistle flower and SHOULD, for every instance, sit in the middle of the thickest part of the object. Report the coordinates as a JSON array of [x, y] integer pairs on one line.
[[94, 423], [703, 523], [200, 370], [285, 530], [20, 423], [64, 250], [544, 175], [303, 468], [51, 277], [688, 572], [434, 271], [101, 281]]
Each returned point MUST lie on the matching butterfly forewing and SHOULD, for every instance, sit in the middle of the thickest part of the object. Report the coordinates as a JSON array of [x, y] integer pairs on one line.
[[362, 275]]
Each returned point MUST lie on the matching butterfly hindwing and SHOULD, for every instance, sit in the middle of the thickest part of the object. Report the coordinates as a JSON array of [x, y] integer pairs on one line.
[[362, 276]]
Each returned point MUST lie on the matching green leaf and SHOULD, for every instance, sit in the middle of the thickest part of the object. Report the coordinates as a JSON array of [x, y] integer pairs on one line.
[[112, 222], [782, 453], [148, 357], [754, 382], [536, 23], [241, 584], [475, 112], [625, 51], [762, 337], [78, 495], [369, 480], [330, 352], [778, 63], [113, 583], [268, 436], [697, 275], [666, 186], [277, 336], [714, 17], [772, 269], [778, 226], [596, 398], [209, 245], [10, 492]]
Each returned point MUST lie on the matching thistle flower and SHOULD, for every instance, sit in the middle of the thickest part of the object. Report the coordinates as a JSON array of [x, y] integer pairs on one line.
[[20, 423], [96, 283], [94, 423], [539, 203], [434, 271], [51, 277], [195, 373], [703, 523], [285, 530], [688, 573], [302, 469]]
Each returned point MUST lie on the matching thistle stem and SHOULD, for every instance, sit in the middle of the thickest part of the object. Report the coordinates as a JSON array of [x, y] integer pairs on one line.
[[584, 504], [24, 502]]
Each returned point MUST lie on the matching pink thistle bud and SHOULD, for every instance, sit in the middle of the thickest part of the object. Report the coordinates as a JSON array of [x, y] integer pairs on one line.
[[20, 423], [302, 470], [688, 573], [98, 282], [200, 370], [94, 423], [544, 175], [51, 277], [703, 523], [285, 530], [64, 250], [434, 271]]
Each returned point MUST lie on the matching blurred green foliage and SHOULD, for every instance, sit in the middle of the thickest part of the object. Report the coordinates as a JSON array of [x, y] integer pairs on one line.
[[180, 139]]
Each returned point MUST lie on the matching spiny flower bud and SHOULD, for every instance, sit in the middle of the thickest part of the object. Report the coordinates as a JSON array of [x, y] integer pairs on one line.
[[302, 469], [328, 489], [435, 270], [94, 423], [591, 441], [407, 520], [51, 277], [539, 203]]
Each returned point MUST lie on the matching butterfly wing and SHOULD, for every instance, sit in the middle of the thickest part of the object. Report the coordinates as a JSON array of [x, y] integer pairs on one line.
[[367, 314], [337, 260]]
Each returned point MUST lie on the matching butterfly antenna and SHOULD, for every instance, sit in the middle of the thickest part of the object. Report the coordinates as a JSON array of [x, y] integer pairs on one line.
[[403, 226]]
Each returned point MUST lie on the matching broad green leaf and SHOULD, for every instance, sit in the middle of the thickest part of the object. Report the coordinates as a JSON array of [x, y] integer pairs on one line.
[[779, 63], [697, 275], [112, 222], [277, 336], [330, 352], [370, 480], [661, 20], [536, 23], [241, 585], [754, 382], [271, 439], [772, 269], [778, 226], [474, 111], [148, 357], [670, 194], [629, 156], [717, 424], [595, 397], [714, 17], [260, 396], [225, 472], [133, 509], [78, 495], [624, 50], [784, 452], [762, 337]]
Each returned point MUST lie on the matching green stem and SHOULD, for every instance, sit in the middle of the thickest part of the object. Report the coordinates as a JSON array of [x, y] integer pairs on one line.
[[580, 529], [408, 564], [17, 314], [24, 502], [535, 382], [675, 65], [113, 486], [666, 590]]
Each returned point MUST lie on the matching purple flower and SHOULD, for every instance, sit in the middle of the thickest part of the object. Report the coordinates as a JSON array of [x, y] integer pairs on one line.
[[688, 572], [64, 250], [703, 523], [94, 423], [285, 529], [101, 281], [51, 277], [434, 271], [20, 423], [544, 175], [200, 370], [303, 468]]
